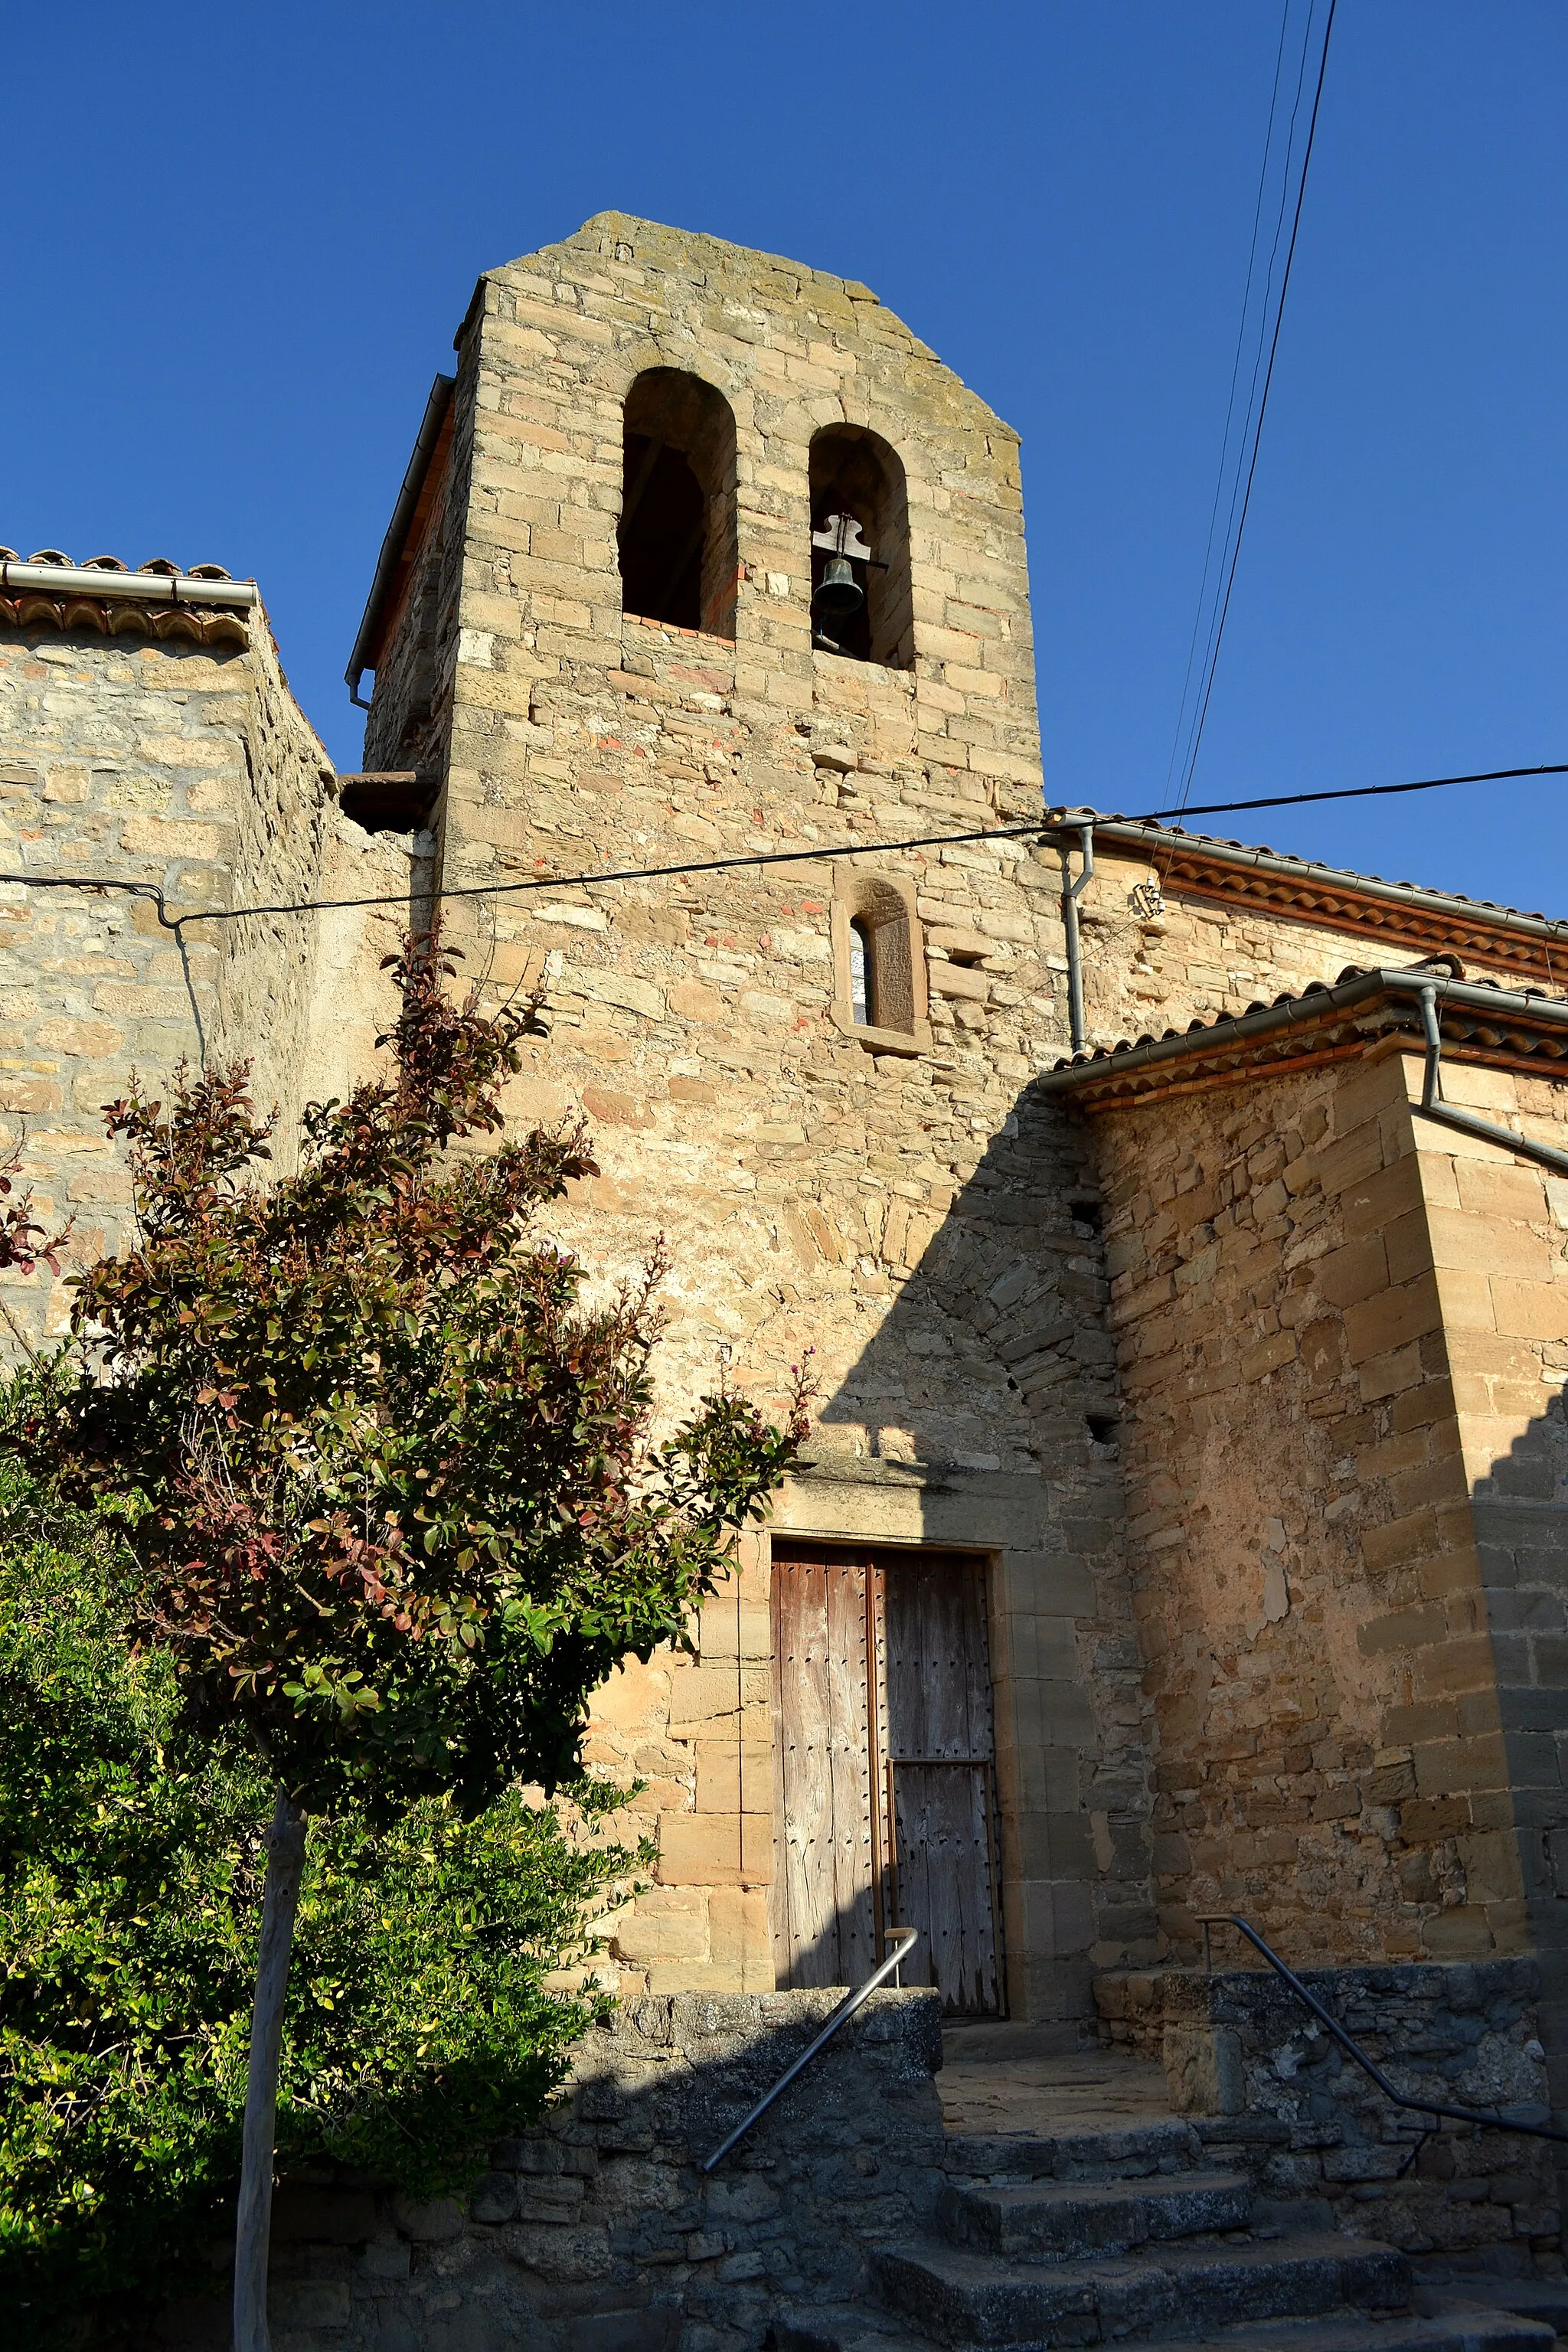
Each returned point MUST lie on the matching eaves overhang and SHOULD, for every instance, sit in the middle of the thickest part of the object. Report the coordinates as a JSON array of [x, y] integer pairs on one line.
[[1503, 1028], [104, 597], [388, 562], [1402, 914]]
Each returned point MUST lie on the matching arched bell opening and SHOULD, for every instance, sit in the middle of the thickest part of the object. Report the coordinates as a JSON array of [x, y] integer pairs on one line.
[[862, 601], [677, 537]]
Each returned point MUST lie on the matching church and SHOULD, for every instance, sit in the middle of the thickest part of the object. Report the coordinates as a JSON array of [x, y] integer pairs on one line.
[[1178, 1229]]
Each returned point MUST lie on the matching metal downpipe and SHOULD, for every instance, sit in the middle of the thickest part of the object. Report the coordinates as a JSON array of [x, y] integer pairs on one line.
[[1071, 891], [1432, 1106]]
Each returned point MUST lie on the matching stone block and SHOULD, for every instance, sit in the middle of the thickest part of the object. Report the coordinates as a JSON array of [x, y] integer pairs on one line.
[[715, 1848], [667, 1923], [1530, 1309], [428, 2224], [1358, 1271], [1204, 2069], [309, 2302], [1376, 1326], [644, 2327], [733, 1778]]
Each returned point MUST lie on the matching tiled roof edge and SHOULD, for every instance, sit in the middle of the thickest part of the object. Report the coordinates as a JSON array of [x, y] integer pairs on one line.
[[1336, 898], [1536, 1024]]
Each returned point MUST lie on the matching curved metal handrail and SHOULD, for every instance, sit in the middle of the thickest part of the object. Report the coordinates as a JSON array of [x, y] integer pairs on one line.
[[1463, 2114], [841, 2016]]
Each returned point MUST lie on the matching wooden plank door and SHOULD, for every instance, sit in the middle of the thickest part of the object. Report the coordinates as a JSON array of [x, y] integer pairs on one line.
[[885, 1802], [938, 1740], [823, 1907]]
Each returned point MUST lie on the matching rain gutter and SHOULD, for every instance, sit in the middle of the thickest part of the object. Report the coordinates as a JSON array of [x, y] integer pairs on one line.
[[144, 587], [1071, 893]]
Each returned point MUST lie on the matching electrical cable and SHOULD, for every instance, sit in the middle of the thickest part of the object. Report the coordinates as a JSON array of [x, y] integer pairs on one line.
[[1236, 368], [1044, 827], [1213, 663]]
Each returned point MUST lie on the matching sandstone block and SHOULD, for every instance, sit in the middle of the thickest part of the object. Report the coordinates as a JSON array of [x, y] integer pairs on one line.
[[715, 1848]]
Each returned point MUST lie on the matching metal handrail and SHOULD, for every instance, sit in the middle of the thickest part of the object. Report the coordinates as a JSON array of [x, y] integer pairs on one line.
[[841, 2016], [1489, 2116]]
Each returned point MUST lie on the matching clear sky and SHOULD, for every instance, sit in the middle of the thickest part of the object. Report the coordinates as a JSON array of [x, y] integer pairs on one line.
[[239, 242]]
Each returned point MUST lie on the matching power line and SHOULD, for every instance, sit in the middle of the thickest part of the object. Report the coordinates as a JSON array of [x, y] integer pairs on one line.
[[1235, 366], [1213, 663], [1045, 827]]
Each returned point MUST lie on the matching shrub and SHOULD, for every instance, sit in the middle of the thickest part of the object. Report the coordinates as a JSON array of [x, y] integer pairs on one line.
[[419, 2024]]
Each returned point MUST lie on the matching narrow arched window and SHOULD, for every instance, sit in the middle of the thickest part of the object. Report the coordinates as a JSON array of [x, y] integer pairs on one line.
[[676, 536], [879, 963], [862, 1005], [862, 598]]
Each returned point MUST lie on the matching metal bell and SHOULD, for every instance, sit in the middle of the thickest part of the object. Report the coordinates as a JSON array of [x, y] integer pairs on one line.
[[839, 594]]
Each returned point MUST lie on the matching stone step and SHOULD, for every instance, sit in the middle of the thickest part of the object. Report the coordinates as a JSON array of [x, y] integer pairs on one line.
[[839, 2329], [1132, 2151], [1063, 2220], [1449, 2326], [1527, 2298], [966, 2298], [1456, 2328]]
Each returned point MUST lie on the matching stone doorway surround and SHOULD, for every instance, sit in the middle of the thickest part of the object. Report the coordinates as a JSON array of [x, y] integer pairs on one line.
[[1045, 1734]]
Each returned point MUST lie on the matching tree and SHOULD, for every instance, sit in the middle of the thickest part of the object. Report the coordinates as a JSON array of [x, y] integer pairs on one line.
[[384, 1471], [420, 2023]]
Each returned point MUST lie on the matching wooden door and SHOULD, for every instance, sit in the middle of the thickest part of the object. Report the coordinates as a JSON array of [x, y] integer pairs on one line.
[[937, 1737], [825, 1875], [885, 1787]]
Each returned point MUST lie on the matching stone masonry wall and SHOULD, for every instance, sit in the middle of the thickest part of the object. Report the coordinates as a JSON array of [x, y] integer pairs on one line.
[[1501, 1258], [798, 1179], [163, 760], [596, 2231], [1267, 2086], [284, 813], [1200, 961], [411, 707], [905, 1211], [1303, 1554]]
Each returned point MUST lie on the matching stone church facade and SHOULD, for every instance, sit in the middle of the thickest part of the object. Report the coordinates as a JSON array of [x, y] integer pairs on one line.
[[1183, 1528]]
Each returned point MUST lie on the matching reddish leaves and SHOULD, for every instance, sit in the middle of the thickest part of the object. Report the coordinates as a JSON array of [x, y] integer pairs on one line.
[[387, 1480]]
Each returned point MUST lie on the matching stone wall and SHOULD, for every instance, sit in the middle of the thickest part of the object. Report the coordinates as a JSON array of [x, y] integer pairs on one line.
[[352, 1001], [1501, 1269], [411, 708], [596, 2230], [283, 812], [1201, 958], [1304, 1557], [167, 759], [901, 1205], [858, 1197], [1268, 2087]]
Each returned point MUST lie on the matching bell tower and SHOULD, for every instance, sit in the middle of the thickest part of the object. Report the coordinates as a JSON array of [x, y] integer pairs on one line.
[[705, 558]]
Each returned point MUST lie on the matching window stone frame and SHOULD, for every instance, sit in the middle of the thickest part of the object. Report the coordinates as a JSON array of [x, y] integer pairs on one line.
[[884, 903]]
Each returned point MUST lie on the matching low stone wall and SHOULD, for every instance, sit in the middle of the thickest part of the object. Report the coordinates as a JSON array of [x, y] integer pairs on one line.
[[1268, 2087], [596, 2231]]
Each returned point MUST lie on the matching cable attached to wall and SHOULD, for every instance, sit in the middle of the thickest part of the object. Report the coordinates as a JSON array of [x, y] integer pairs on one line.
[[1045, 828]]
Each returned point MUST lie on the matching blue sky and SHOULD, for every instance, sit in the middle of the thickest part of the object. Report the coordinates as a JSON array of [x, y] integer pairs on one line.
[[239, 243]]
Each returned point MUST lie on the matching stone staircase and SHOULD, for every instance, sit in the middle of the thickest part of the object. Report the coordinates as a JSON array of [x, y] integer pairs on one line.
[[1122, 2233]]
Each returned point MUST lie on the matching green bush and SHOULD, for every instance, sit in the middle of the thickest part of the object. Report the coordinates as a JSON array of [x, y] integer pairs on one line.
[[419, 2025]]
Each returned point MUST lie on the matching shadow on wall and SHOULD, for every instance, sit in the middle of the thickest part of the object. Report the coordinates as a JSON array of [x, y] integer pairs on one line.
[[982, 1415], [1521, 1513], [597, 2232]]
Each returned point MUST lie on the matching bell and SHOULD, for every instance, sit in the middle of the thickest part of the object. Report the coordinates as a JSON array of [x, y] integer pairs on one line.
[[840, 595]]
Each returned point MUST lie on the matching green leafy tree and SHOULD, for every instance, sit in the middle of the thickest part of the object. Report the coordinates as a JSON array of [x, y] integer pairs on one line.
[[419, 2024], [384, 1468]]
